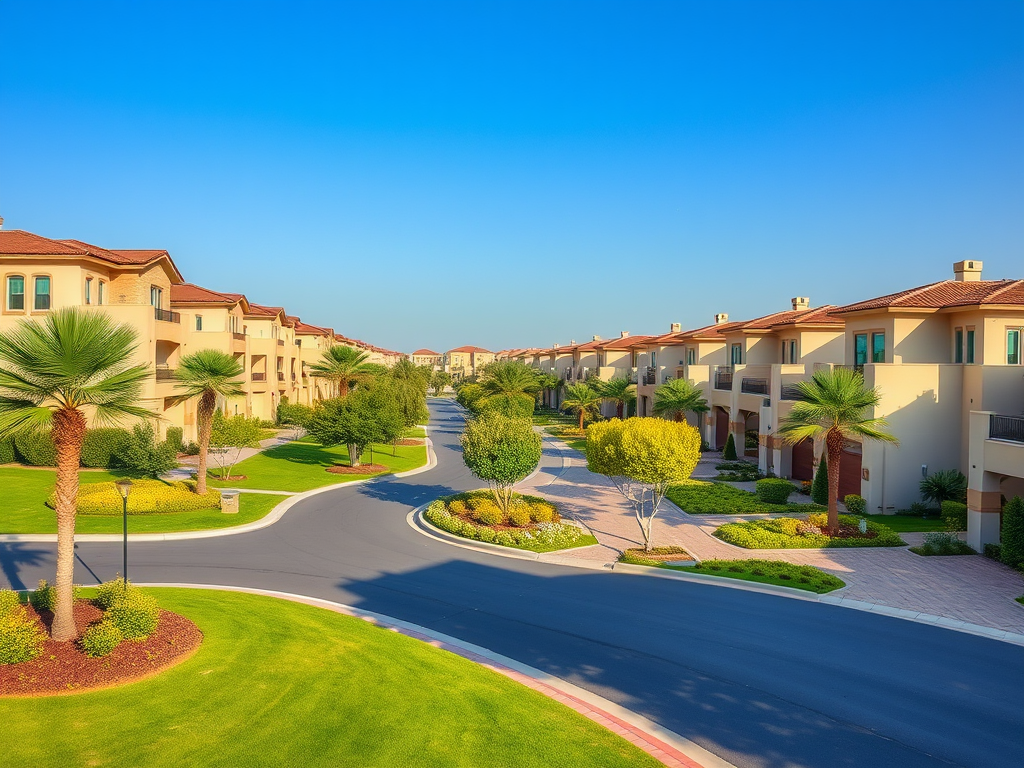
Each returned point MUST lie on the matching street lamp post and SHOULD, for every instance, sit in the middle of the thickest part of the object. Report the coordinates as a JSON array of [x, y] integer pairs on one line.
[[125, 487]]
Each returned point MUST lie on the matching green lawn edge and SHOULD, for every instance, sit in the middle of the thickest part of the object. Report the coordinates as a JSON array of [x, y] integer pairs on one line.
[[742, 576]]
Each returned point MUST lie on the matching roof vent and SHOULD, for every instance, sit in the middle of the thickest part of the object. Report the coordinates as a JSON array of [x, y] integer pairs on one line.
[[623, 334], [967, 271], [800, 302], [675, 328], [596, 338], [721, 317]]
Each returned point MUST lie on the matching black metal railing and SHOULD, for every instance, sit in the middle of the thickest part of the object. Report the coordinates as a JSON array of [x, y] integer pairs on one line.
[[754, 386], [651, 375], [791, 392], [259, 376], [1006, 428], [164, 374], [723, 379], [166, 315]]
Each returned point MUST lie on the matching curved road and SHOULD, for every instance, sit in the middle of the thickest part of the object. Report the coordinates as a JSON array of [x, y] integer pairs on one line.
[[757, 679]]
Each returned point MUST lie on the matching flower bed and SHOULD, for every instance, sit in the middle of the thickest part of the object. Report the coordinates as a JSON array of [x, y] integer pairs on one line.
[[698, 497], [531, 523], [146, 497], [809, 533], [656, 556]]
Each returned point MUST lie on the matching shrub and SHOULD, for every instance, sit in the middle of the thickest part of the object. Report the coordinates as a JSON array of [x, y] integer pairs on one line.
[[775, 534], [9, 601], [769, 571], [542, 537], [7, 451], [175, 438], [485, 511], [1013, 533], [855, 504], [44, 598], [954, 515], [942, 543], [190, 448], [36, 449], [21, 637], [994, 552], [101, 447], [819, 487], [100, 639], [135, 614], [542, 512], [501, 451], [109, 592], [698, 497], [519, 515], [774, 490], [146, 497], [142, 454], [946, 485], [729, 454]]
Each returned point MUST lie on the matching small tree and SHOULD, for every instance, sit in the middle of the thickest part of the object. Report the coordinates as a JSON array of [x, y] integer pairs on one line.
[[819, 486], [674, 398], [1012, 535], [729, 454], [141, 454], [501, 451], [582, 400], [229, 435], [367, 415], [619, 391], [643, 457], [439, 381]]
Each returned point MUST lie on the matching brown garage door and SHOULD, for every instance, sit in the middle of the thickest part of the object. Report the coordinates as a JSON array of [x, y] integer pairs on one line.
[[849, 472], [803, 460], [721, 428]]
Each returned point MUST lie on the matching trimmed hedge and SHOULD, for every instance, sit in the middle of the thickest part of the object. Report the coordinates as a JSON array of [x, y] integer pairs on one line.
[[942, 543], [7, 455], [44, 598], [146, 497], [1012, 539], [774, 490], [855, 504], [698, 497], [100, 447], [819, 486], [135, 614], [791, 533], [9, 600], [729, 454], [954, 515], [35, 449]]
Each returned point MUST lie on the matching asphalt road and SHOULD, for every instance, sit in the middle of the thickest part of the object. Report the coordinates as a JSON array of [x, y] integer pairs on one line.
[[757, 679]]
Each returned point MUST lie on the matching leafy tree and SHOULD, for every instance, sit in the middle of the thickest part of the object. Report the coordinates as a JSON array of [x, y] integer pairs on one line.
[[945, 485], [643, 457], [229, 435], [292, 414], [819, 485], [513, 406], [469, 396], [729, 454], [439, 381], [141, 454], [207, 375], [343, 367], [1012, 534], [620, 392], [674, 398], [410, 391], [368, 415], [583, 400], [833, 404], [52, 373], [501, 451], [509, 387]]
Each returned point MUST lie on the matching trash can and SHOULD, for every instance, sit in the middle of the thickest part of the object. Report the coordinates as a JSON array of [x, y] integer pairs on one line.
[[229, 502]]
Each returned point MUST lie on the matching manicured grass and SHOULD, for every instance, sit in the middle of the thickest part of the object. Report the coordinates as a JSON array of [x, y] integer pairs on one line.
[[577, 443], [416, 432], [761, 571], [301, 465], [907, 523], [542, 417], [279, 683], [23, 496], [698, 497], [782, 533]]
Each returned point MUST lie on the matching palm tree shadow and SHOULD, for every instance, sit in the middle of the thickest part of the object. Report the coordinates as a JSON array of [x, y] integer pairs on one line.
[[14, 557]]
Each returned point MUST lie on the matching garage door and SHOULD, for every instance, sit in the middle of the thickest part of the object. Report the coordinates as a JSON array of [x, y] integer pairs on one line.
[[803, 460], [849, 472]]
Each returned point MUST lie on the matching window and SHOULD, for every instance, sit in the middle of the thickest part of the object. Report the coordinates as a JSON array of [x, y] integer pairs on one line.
[[877, 347], [691, 356], [16, 293], [199, 322], [1013, 346], [42, 293], [860, 349], [654, 359], [737, 354], [88, 290], [958, 345], [970, 345], [156, 297], [101, 293], [789, 351]]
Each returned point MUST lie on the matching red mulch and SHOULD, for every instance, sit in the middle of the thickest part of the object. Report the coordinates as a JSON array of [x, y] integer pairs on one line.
[[362, 469], [63, 668], [230, 477], [661, 556], [409, 441]]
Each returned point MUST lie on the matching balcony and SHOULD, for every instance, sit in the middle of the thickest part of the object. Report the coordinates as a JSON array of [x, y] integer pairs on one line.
[[237, 336], [631, 375], [166, 315], [164, 373], [723, 379], [280, 342], [1006, 428], [753, 386], [791, 392], [259, 376], [280, 375]]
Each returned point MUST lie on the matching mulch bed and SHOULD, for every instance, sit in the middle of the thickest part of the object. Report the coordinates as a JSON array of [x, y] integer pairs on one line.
[[661, 554], [63, 668], [231, 477], [362, 469], [409, 441]]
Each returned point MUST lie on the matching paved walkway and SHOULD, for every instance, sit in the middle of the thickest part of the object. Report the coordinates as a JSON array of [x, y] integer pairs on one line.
[[189, 463], [965, 588]]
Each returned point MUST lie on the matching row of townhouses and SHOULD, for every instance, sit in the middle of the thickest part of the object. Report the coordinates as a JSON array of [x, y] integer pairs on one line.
[[461, 362], [946, 358], [173, 318]]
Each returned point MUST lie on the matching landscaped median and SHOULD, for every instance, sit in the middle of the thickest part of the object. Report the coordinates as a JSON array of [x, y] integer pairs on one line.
[[699, 497], [808, 533]]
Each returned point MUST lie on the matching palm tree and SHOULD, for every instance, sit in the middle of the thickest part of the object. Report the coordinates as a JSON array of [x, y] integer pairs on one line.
[[620, 392], [677, 396], [510, 382], [206, 375], [832, 404], [342, 366], [52, 373], [582, 400]]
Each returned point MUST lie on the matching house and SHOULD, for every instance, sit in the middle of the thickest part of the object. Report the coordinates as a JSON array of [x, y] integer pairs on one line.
[[428, 357], [463, 362]]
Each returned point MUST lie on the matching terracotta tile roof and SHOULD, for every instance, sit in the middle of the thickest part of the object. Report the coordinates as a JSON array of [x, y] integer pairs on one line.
[[307, 328], [470, 349], [713, 331], [946, 294], [259, 309], [427, 352], [621, 343], [816, 316], [21, 243], [189, 293]]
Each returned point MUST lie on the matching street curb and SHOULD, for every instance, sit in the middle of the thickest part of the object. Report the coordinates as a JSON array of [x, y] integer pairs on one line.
[[420, 525], [664, 745], [267, 520]]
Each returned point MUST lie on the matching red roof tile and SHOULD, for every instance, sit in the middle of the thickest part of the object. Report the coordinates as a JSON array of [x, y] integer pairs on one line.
[[946, 294], [427, 352], [18, 242], [189, 293], [470, 349]]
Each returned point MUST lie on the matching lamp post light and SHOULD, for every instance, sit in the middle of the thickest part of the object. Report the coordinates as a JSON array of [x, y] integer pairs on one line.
[[124, 486]]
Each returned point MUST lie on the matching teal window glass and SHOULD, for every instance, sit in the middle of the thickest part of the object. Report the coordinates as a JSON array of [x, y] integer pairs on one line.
[[42, 293], [16, 293], [877, 347]]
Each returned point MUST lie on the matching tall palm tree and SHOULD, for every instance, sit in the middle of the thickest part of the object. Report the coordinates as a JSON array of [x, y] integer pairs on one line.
[[620, 392], [583, 400], [206, 375], [832, 404], [342, 366], [677, 396], [52, 374], [509, 385]]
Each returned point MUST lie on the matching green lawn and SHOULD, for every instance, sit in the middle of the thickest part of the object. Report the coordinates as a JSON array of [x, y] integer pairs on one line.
[[906, 523], [301, 465], [577, 443], [279, 683], [416, 432], [760, 571], [22, 508]]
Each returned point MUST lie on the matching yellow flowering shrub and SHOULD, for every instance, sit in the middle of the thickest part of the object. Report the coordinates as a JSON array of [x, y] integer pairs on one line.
[[146, 497]]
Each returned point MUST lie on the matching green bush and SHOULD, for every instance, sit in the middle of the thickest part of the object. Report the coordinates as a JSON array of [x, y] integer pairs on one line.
[[190, 448], [143, 455], [9, 600], [134, 613], [100, 639], [44, 598], [773, 490], [789, 533], [729, 454], [35, 449], [954, 515], [855, 504], [945, 485], [146, 497], [819, 488], [485, 511], [101, 447], [519, 515], [542, 512], [942, 543], [772, 571], [175, 438], [7, 451], [1012, 539], [698, 497], [109, 592], [994, 552], [21, 637]]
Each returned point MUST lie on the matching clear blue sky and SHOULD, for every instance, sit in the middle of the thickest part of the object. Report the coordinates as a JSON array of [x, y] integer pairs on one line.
[[514, 174]]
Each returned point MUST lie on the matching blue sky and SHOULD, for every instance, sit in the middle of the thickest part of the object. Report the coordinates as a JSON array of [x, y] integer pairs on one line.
[[515, 174]]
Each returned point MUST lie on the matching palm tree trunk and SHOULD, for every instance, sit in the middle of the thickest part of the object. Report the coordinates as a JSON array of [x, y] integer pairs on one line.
[[618, 409], [582, 413], [834, 447], [343, 388], [204, 417], [68, 433]]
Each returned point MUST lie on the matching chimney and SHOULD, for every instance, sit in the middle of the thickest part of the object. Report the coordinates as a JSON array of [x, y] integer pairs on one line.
[[1, 222], [596, 338], [623, 334], [721, 317], [800, 302], [555, 345], [963, 271], [675, 328], [572, 342]]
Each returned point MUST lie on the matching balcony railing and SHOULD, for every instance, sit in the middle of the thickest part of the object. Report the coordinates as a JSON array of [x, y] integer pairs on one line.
[[754, 386], [631, 375], [164, 374], [1006, 428], [791, 392], [237, 336], [723, 380], [280, 375], [650, 375], [166, 315], [259, 376], [280, 342]]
